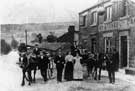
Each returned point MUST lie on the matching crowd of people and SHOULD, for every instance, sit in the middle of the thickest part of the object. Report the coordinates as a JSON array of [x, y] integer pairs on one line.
[[77, 64]]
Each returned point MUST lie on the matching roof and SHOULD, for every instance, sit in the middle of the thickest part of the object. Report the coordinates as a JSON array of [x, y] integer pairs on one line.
[[67, 37], [94, 6], [51, 46], [48, 46]]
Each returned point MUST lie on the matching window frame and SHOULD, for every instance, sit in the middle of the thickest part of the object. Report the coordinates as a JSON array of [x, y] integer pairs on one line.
[[94, 18], [108, 13], [83, 20]]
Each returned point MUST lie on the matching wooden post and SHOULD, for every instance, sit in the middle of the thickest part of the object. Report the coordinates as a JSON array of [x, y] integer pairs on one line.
[[26, 36]]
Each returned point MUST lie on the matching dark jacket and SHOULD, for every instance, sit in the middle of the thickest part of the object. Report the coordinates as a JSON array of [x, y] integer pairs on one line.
[[111, 63], [84, 59], [115, 58], [59, 61], [43, 62], [36, 52]]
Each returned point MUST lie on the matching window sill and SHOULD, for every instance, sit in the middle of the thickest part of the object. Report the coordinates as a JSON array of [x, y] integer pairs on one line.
[[94, 24], [124, 17], [82, 26], [108, 21]]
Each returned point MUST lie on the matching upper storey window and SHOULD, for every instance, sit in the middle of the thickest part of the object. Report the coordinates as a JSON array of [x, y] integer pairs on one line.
[[83, 20], [108, 13], [94, 18]]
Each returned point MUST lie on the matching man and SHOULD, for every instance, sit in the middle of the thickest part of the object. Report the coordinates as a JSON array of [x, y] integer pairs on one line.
[[59, 61], [22, 47], [36, 51], [73, 49], [43, 63], [116, 59], [111, 66], [85, 56]]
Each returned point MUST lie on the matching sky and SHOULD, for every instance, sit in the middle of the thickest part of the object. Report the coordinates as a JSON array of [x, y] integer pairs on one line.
[[41, 11]]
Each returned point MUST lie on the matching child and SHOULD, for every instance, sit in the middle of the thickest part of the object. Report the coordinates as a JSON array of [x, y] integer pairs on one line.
[[51, 66]]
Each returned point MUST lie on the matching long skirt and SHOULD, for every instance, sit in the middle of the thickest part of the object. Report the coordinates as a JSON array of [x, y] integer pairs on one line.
[[68, 75]]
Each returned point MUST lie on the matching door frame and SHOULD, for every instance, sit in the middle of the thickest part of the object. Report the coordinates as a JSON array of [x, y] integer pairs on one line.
[[107, 35], [124, 33]]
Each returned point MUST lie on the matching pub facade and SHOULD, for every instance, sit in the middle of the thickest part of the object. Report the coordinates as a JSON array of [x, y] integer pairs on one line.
[[115, 28]]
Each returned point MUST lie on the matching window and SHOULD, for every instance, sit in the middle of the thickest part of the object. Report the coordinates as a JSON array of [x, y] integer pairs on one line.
[[94, 18], [109, 13], [126, 9], [83, 20]]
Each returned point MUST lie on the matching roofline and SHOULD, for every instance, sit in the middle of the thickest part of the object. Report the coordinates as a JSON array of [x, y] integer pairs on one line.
[[94, 6]]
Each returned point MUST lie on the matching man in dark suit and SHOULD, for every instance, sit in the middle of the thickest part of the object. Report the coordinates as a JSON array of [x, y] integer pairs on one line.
[[36, 50], [43, 63], [59, 61], [112, 66], [22, 47]]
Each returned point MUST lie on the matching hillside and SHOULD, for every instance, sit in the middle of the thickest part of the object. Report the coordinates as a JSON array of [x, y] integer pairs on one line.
[[18, 30]]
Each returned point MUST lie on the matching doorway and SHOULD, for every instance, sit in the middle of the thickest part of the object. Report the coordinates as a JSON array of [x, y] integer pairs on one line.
[[123, 51], [93, 46], [108, 44]]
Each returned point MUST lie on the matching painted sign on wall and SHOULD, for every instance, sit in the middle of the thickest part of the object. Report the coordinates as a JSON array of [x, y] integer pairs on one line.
[[120, 25]]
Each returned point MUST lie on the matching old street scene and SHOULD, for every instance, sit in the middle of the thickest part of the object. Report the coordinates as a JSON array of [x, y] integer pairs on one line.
[[67, 45]]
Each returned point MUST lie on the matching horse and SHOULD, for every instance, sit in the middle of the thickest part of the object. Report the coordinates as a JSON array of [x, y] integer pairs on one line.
[[28, 62], [24, 65], [33, 65]]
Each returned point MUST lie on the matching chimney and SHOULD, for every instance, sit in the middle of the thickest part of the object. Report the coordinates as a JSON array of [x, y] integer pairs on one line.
[[71, 29]]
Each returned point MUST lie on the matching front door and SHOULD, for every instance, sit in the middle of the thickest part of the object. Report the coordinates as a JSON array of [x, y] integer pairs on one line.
[[123, 51]]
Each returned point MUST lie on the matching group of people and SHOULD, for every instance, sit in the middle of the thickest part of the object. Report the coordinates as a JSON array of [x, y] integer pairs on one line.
[[76, 65], [70, 64]]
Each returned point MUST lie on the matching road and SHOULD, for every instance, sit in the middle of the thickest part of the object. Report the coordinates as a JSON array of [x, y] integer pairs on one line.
[[10, 80]]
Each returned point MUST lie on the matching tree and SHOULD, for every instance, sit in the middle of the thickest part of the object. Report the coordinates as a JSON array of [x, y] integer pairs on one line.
[[5, 47], [14, 43], [51, 37]]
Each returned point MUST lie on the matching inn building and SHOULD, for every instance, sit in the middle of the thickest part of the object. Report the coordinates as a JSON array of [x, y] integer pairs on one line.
[[107, 25]]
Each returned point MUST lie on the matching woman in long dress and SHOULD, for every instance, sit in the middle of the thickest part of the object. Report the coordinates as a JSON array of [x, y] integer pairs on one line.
[[68, 75], [78, 69]]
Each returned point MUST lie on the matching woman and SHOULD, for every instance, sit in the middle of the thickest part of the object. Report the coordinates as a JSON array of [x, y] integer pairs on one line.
[[78, 73], [69, 67]]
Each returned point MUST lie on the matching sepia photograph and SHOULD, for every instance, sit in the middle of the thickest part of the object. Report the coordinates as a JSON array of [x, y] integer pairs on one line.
[[67, 45]]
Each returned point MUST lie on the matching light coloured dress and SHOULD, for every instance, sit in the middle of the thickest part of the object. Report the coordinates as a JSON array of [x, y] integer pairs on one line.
[[78, 69]]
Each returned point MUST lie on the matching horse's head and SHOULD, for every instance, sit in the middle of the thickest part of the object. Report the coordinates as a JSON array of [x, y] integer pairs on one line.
[[22, 61]]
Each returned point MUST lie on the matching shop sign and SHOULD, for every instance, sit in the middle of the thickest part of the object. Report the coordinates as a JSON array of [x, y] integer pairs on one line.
[[121, 25]]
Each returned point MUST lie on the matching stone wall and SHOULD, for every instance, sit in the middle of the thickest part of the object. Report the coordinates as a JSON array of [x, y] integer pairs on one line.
[[132, 47]]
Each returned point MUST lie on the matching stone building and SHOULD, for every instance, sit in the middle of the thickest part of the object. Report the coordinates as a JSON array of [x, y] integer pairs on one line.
[[113, 26]]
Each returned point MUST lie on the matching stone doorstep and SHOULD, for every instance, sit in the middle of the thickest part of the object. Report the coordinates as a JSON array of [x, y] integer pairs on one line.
[[130, 71]]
